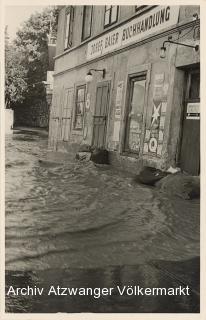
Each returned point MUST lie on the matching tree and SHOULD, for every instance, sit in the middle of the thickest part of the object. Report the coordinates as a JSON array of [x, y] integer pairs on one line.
[[27, 58], [32, 41], [15, 75]]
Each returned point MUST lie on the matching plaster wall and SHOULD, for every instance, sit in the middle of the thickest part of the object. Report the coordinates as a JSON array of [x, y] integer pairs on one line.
[[71, 68]]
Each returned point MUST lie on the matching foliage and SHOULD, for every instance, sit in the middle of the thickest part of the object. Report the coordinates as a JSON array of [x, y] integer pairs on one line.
[[31, 45], [15, 76]]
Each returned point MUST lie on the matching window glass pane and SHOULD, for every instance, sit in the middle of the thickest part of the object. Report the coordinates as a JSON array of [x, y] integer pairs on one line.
[[80, 95], [78, 122], [138, 96], [135, 115], [114, 14], [79, 108], [106, 18], [67, 30], [194, 86], [87, 22]]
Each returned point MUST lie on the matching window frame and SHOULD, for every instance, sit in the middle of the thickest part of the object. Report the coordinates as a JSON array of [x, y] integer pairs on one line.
[[78, 87], [83, 23], [140, 8], [117, 16], [143, 8], [131, 80], [188, 72], [68, 33]]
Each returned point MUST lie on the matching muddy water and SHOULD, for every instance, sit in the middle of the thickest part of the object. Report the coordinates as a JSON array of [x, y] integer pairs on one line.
[[76, 223]]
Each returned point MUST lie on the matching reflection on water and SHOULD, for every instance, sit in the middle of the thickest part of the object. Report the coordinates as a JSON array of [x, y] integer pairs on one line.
[[78, 224], [146, 276]]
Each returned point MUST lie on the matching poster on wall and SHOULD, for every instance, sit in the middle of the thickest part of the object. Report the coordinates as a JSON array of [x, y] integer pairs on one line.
[[154, 136], [87, 104], [117, 112], [158, 90], [116, 131], [156, 115], [159, 79], [119, 94]]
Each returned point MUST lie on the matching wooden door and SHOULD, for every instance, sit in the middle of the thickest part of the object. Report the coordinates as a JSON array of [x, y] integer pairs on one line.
[[66, 114], [190, 146], [101, 115]]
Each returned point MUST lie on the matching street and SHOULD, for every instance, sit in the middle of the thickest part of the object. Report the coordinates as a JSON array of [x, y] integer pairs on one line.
[[75, 224]]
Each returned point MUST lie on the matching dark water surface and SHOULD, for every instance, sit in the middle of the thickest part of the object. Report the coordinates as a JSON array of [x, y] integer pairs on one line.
[[79, 225]]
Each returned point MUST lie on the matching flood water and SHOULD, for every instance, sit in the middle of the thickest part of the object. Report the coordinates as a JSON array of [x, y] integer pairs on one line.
[[75, 224]]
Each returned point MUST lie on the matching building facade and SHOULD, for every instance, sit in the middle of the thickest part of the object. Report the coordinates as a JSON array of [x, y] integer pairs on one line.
[[125, 81]]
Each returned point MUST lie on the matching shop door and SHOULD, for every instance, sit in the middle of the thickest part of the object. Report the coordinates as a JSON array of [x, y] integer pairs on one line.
[[101, 115], [190, 147], [135, 114]]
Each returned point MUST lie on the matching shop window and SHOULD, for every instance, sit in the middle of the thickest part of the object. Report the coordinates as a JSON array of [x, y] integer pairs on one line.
[[79, 107], [87, 22], [111, 15], [135, 114], [69, 28]]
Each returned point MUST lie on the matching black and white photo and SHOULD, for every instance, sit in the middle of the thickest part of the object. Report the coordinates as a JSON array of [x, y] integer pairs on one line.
[[102, 158]]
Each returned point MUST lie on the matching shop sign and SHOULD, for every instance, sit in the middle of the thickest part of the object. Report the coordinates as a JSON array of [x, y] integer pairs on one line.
[[156, 20], [193, 111]]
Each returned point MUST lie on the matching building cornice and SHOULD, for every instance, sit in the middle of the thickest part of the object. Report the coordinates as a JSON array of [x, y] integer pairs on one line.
[[174, 29], [188, 21], [105, 31]]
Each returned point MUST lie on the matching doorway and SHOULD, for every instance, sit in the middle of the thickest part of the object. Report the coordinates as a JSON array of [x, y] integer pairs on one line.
[[101, 115], [190, 145]]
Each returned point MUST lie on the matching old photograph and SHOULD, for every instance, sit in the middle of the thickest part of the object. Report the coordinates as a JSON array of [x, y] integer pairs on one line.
[[102, 159]]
